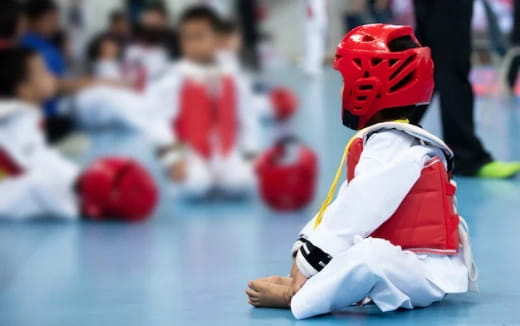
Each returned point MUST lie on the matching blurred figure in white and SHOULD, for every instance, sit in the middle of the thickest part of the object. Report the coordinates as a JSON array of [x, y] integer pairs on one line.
[[24, 84], [104, 58], [36, 180], [266, 102], [315, 36], [147, 59], [76, 22], [213, 124]]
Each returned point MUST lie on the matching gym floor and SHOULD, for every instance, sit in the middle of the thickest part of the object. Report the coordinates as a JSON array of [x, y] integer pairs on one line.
[[190, 264]]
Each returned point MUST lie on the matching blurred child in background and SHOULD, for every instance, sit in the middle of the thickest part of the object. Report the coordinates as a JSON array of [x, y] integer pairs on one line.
[[264, 101], [155, 45], [104, 58], [35, 180], [206, 105]]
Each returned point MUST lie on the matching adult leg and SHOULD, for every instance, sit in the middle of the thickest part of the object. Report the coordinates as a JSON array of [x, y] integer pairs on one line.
[[446, 29], [515, 41], [373, 268]]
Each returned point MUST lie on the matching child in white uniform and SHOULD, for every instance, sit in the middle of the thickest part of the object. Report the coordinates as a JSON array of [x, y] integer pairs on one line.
[[36, 180], [392, 235], [204, 102]]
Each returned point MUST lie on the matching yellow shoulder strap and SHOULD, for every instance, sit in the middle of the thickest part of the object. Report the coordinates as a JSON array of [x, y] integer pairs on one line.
[[334, 185], [3, 175]]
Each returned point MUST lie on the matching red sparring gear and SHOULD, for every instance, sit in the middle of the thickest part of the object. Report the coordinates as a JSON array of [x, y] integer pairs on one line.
[[8, 167], [203, 118], [284, 102], [288, 186], [375, 78], [426, 220], [118, 188]]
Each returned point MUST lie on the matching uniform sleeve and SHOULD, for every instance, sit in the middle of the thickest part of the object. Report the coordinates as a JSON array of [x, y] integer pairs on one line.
[[162, 96], [387, 170]]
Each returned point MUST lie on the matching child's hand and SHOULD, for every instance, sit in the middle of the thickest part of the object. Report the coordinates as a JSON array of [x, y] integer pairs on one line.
[[178, 171], [269, 292]]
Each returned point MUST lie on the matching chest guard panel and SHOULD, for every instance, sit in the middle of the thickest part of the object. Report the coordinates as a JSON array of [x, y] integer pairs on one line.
[[426, 221], [207, 121]]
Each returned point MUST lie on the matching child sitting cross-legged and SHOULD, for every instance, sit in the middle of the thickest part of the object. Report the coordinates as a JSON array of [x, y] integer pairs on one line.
[[392, 235]]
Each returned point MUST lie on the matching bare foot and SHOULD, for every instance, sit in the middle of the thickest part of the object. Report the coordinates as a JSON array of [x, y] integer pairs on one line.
[[280, 280], [268, 294]]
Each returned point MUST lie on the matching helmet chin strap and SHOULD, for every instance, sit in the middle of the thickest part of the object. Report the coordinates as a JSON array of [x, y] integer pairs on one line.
[[349, 120]]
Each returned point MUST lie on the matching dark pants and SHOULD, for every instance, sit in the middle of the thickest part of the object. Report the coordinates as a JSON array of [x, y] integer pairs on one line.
[[515, 41], [445, 26], [247, 11]]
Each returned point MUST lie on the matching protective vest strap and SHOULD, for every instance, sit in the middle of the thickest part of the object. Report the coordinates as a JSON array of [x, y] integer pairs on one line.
[[332, 190]]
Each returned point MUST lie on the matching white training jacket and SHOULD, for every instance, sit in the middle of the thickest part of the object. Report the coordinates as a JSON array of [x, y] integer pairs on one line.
[[390, 164], [164, 96], [46, 186]]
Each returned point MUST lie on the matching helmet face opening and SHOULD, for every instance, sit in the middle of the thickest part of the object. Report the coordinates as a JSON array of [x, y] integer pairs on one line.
[[376, 77]]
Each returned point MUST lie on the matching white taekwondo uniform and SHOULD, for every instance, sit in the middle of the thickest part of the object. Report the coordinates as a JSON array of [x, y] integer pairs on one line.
[[44, 183], [104, 106], [229, 172], [363, 267]]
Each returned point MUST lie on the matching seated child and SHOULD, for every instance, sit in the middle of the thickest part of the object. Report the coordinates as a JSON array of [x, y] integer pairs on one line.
[[204, 102], [35, 180], [148, 57], [104, 58], [264, 101], [392, 235]]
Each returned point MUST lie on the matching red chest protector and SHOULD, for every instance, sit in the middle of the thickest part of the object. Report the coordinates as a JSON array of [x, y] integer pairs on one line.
[[8, 167], [205, 120], [426, 221]]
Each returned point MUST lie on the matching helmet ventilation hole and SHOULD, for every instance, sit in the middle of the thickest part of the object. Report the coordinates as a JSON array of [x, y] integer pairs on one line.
[[367, 38], [357, 61], [366, 74], [376, 61], [404, 82], [402, 66]]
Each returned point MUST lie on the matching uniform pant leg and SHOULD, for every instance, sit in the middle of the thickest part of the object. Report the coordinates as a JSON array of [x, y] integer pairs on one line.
[[199, 178], [235, 175], [373, 268]]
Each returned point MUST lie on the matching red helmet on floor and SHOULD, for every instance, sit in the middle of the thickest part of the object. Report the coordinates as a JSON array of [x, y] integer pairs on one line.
[[287, 185], [383, 66], [284, 103], [117, 188]]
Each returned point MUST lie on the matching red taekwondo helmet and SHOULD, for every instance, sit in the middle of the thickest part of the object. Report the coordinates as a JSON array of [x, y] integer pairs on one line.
[[287, 181], [118, 189], [383, 67], [284, 103]]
